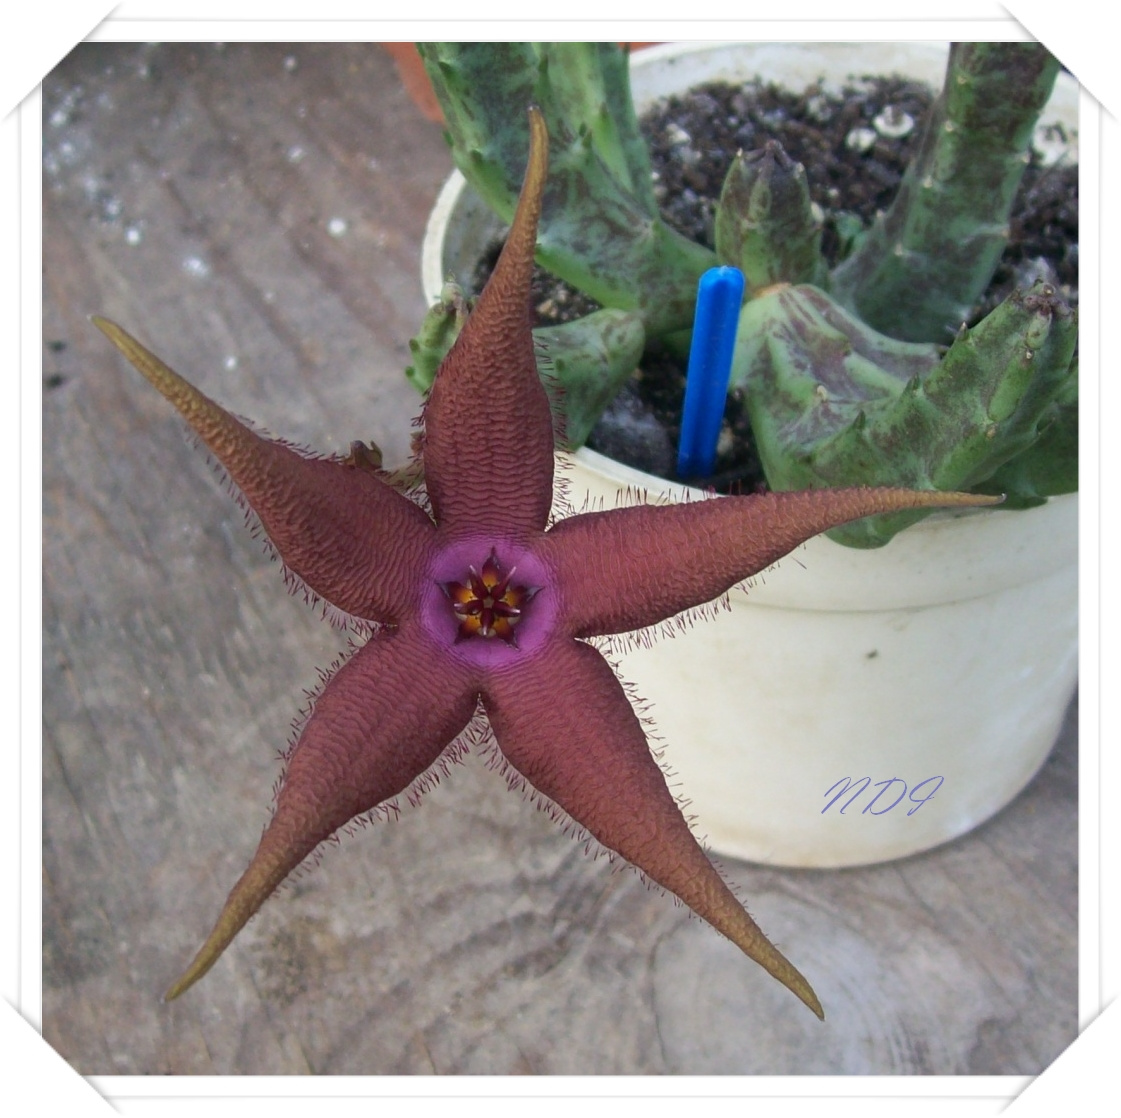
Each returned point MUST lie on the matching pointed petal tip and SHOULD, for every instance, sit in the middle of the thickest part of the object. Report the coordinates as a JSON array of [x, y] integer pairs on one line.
[[119, 336], [750, 939], [271, 864], [980, 500], [109, 328], [807, 997], [232, 919], [201, 963], [859, 501], [521, 242], [932, 498], [792, 979], [179, 986], [182, 394]]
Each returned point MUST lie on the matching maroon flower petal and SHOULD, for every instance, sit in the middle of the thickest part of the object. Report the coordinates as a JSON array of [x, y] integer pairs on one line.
[[381, 721], [624, 569], [353, 539], [488, 427], [590, 756]]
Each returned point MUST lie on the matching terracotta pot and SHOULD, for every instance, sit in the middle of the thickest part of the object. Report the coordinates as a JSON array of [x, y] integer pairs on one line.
[[853, 706]]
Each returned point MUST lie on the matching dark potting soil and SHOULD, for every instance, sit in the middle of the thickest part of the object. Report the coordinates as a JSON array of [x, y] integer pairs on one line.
[[855, 148]]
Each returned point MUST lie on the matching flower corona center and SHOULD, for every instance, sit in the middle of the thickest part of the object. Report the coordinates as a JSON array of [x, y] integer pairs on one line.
[[488, 604]]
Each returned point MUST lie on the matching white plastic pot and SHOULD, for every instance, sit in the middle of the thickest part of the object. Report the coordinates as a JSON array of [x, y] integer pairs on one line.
[[853, 706]]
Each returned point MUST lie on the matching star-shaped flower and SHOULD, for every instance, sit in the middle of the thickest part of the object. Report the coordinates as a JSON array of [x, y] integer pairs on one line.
[[480, 601]]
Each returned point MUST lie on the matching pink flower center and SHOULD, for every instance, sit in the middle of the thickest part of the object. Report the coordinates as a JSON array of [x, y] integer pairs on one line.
[[488, 604]]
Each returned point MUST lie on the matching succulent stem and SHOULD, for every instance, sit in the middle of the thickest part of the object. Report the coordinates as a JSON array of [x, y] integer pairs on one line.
[[926, 262]]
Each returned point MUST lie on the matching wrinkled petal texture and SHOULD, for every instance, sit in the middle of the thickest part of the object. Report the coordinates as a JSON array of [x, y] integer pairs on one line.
[[488, 426], [354, 540], [382, 720], [623, 569], [564, 722]]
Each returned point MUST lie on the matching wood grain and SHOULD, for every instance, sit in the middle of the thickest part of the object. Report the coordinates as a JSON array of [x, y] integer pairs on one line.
[[254, 213]]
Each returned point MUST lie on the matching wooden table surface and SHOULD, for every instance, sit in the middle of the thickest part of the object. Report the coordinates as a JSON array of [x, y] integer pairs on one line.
[[255, 213]]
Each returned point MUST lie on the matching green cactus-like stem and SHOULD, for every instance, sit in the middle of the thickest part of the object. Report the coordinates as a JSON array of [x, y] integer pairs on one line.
[[599, 228], [765, 221], [591, 86], [833, 403], [585, 364], [476, 85], [807, 369], [1049, 467], [925, 263], [438, 331], [1001, 386]]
